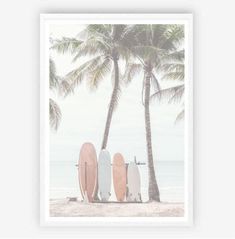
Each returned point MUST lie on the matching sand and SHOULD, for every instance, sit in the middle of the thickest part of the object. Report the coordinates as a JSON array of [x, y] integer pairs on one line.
[[65, 208]]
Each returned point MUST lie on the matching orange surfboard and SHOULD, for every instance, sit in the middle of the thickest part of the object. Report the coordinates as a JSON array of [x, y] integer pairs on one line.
[[119, 177], [87, 171]]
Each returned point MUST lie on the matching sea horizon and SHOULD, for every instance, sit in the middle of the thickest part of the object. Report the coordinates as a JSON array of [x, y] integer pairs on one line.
[[170, 176]]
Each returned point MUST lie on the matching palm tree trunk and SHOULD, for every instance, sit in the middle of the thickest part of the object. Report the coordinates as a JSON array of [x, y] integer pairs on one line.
[[153, 190], [110, 113], [111, 104]]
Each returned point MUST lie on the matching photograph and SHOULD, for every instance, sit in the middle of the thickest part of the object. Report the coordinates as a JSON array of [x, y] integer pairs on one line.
[[116, 118]]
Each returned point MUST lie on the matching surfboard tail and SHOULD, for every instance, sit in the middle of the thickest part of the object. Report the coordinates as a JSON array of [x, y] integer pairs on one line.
[[86, 199]]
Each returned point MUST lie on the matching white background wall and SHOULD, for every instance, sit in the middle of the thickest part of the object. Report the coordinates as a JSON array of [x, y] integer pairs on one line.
[[214, 87]]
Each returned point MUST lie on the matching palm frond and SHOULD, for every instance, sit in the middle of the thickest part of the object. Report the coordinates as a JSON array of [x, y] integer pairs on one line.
[[145, 34], [175, 56], [66, 87], [158, 34], [155, 83], [75, 77], [102, 30], [172, 94], [131, 70], [174, 36], [128, 36], [180, 116], [124, 53], [173, 67], [117, 32], [53, 78], [148, 53], [175, 75], [92, 46], [55, 114], [99, 73], [177, 96], [66, 44]]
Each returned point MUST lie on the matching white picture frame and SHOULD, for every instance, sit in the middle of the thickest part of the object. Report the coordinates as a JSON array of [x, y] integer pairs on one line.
[[45, 21]]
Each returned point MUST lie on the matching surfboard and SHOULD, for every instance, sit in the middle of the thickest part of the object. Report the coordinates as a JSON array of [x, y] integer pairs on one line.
[[119, 177], [87, 171], [104, 175], [133, 183]]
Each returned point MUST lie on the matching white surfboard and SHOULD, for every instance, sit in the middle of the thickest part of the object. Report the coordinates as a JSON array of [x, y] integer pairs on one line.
[[104, 175], [133, 183]]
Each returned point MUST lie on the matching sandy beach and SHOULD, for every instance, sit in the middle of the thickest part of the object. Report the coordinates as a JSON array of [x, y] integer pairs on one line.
[[65, 208]]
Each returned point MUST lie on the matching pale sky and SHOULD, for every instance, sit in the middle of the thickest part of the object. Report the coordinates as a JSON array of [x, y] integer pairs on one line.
[[84, 115]]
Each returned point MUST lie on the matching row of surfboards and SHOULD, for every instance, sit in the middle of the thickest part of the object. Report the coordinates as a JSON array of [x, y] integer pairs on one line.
[[126, 177]]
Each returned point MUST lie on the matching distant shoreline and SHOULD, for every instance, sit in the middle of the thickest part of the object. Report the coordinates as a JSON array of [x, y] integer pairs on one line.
[[65, 208]]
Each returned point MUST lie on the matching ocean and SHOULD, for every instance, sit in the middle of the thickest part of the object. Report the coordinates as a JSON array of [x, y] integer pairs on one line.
[[170, 177]]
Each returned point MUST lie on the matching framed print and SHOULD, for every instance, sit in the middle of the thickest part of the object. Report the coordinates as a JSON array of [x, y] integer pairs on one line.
[[116, 119]]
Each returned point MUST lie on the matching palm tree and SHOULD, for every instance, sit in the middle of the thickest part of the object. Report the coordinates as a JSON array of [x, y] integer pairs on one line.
[[173, 69], [54, 109], [104, 44], [153, 43]]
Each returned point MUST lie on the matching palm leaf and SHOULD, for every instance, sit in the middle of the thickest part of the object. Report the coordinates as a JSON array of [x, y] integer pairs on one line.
[[158, 34], [175, 56], [53, 78], [124, 53], [148, 53], [176, 75], [66, 44], [174, 36], [99, 73], [66, 87], [128, 36], [131, 70], [177, 96], [173, 67], [91, 47], [172, 94], [118, 32], [180, 116], [102, 30], [75, 77], [155, 83], [55, 114]]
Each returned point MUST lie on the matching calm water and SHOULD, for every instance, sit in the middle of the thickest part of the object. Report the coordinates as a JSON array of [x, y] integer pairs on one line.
[[170, 176]]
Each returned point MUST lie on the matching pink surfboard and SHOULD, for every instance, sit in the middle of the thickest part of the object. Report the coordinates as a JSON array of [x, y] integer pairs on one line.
[[87, 171], [119, 177]]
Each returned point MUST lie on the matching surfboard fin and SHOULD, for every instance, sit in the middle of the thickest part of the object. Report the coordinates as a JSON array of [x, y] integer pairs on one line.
[[86, 200]]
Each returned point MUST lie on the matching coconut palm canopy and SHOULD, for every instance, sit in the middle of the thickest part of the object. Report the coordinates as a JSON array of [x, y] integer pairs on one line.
[[101, 44], [155, 51], [104, 45]]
